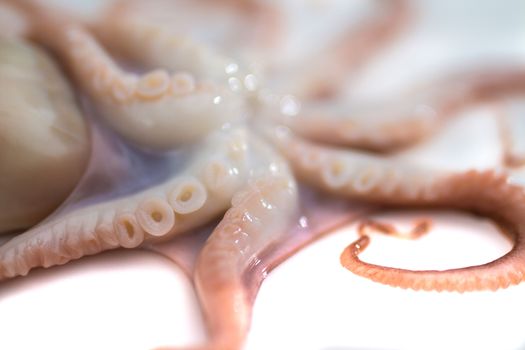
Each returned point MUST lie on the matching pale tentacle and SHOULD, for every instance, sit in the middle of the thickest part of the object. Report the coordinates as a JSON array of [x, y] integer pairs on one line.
[[512, 125], [387, 125], [355, 174], [37, 107], [176, 206], [155, 110], [132, 29], [259, 216], [261, 213]]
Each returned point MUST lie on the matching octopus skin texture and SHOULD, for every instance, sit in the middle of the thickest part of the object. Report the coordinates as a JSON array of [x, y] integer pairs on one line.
[[174, 143]]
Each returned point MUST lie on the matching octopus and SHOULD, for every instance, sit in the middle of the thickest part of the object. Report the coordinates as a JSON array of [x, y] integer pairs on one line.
[[187, 129]]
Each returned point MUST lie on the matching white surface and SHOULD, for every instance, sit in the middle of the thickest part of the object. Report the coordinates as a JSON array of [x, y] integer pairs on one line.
[[135, 300], [120, 300], [311, 302]]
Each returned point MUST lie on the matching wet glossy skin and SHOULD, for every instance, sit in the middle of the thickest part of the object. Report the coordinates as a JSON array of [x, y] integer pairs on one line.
[[299, 222]]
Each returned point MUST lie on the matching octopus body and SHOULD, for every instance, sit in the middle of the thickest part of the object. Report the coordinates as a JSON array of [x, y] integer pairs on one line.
[[181, 128]]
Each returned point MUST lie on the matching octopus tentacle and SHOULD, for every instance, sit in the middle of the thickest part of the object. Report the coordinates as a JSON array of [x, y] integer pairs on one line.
[[488, 193], [355, 174], [393, 125], [232, 168], [155, 110], [176, 206], [484, 192], [261, 213], [259, 216], [127, 28], [420, 228]]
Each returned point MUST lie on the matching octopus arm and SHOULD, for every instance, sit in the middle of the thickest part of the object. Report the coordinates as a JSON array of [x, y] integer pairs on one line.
[[199, 193], [483, 192], [374, 127], [355, 174], [259, 216], [132, 29], [389, 125], [154, 110], [262, 211]]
